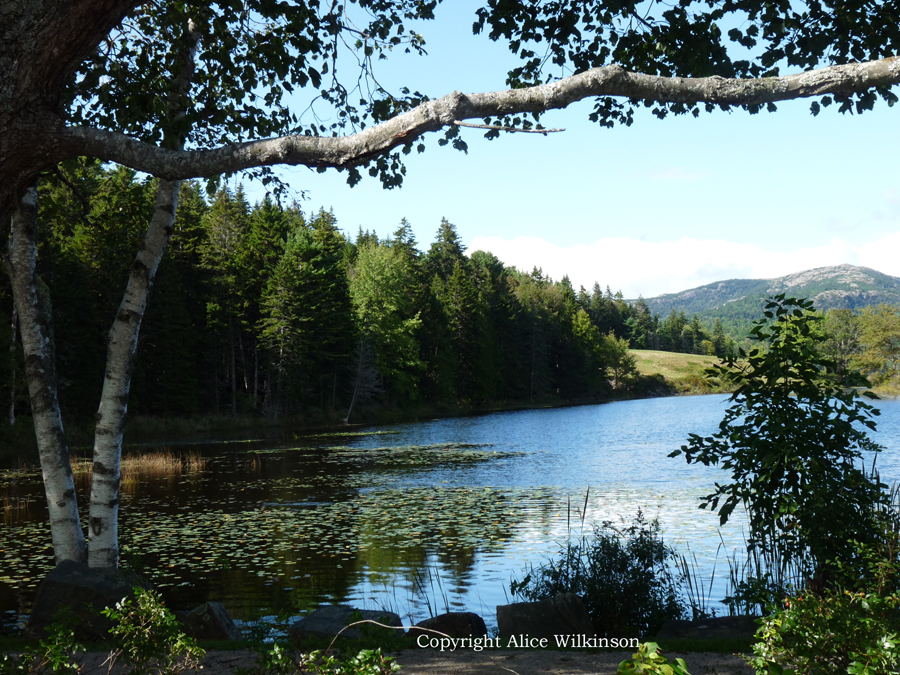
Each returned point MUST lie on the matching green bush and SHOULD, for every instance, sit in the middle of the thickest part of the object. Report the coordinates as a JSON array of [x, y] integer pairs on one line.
[[623, 575], [850, 627], [145, 633], [149, 636], [793, 441], [838, 632], [275, 661], [59, 652], [649, 661]]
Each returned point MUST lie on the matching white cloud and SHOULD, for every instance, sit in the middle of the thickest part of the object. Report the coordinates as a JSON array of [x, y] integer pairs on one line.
[[652, 268], [891, 195]]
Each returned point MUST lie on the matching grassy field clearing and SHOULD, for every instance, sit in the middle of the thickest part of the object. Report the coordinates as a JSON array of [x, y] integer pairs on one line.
[[683, 371]]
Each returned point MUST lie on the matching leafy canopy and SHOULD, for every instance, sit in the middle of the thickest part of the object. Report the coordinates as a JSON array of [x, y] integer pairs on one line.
[[692, 38]]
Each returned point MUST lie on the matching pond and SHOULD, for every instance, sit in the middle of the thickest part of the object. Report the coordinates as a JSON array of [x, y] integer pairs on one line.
[[418, 518]]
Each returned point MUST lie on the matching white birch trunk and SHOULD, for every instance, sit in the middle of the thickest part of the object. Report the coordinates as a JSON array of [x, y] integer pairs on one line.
[[103, 527], [35, 326], [103, 547]]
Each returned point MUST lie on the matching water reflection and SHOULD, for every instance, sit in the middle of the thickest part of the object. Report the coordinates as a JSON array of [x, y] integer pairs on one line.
[[426, 517]]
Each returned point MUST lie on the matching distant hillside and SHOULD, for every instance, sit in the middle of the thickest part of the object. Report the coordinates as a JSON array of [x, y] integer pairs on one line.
[[738, 301], [684, 372]]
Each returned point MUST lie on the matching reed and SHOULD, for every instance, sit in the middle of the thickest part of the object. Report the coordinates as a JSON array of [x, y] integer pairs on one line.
[[161, 463], [430, 596], [764, 578], [12, 501], [251, 464], [699, 596]]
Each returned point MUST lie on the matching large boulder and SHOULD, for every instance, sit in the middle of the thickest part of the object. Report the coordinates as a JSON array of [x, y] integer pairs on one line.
[[720, 627], [210, 621], [328, 620], [452, 624], [73, 592], [563, 614]]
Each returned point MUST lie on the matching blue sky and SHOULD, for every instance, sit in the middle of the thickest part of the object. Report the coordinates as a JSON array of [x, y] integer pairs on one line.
[[658, 207]]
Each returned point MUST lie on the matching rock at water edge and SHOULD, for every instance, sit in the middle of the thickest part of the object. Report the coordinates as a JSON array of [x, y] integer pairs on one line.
[[564, 614]]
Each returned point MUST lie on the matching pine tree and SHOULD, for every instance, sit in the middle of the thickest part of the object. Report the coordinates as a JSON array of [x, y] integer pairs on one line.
[[382, 287], [226, 224], [446, 251], [307, 320]]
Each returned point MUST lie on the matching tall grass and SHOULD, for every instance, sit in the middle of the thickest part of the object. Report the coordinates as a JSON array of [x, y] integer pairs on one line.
[[11, 501], [430, 595], [162, 463], [698, 594], [763, 578]]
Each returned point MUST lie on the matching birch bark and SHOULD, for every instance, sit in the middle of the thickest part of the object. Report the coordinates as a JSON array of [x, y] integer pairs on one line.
[[103, 535], [36, 329], [103, 547]]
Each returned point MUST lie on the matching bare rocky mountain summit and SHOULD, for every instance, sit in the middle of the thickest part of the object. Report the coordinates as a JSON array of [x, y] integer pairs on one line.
[[838, 286]]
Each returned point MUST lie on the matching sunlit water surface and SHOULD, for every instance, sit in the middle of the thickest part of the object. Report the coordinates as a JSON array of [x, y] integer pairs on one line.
[[417, 518]]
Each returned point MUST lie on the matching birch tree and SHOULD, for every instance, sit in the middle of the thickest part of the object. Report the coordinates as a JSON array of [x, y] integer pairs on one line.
[[94, 78]]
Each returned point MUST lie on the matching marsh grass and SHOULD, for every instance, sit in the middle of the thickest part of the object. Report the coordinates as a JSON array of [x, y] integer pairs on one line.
[[430, 590], [760, 580], [162, 463], [252, 464], [12, 502], [697, 592]]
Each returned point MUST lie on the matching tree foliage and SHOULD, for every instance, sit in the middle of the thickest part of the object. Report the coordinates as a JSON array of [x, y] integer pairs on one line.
[[793, 442], [262, 309]]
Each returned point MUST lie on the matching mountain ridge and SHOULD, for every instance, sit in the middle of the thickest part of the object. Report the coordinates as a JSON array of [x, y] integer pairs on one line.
[[833, 287]]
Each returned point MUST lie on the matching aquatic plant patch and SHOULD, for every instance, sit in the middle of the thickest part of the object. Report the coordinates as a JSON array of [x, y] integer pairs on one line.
[[355, 434]]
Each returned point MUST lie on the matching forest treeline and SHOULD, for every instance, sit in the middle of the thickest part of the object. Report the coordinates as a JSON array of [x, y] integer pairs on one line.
[[266, 310]]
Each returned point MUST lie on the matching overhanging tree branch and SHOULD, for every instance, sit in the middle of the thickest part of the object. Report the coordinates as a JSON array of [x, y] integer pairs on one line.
[[355, 149]]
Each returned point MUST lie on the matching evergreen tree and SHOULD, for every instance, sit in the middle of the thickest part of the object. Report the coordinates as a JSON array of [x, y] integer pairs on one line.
[[720, 347], [226, 224], [382, 287], [446, 251], [405, 240], [460, 303], [641, 329], [604, 312], [529, 291]]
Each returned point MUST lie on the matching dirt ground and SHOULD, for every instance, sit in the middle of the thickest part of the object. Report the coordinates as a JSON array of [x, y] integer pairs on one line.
[[493, 662], [469, 662], [501, 662]]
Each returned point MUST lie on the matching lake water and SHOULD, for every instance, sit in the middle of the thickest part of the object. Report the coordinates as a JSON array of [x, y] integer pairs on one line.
[[418, 518]]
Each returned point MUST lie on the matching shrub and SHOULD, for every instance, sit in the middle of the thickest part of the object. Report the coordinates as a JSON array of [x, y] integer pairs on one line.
[[275, 661], [853, 626], [145, 633], [149, 637], [838, 632], [793, 441], [59, 652], [623, 575], [649, 661]]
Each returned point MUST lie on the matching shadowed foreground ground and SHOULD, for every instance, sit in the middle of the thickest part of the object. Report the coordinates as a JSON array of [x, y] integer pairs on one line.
[[493, 662]]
